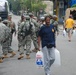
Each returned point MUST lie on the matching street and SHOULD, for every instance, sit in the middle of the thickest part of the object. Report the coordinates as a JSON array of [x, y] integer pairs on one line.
[[13, 66]]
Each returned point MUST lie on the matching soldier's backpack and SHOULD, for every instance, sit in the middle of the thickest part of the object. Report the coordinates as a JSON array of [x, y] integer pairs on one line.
[[26, 29]]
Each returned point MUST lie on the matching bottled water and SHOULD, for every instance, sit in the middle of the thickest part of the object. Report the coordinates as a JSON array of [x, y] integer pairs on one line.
[[39, 59]]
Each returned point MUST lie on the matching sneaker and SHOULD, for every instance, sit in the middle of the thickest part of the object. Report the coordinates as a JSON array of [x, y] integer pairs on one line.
[[20, 57], [69, 40], [13, 54], [1, 61], [27, 56]]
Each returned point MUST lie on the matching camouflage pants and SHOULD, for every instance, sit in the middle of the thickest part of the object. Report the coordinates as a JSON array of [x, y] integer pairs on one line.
[[19, 42], [27, 42], [34, 38], [9, 43], [6, 47]]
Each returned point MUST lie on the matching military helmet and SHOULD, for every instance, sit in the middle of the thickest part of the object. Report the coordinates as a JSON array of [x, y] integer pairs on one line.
[[5, 22], [54, 16], [30, 14], [42, 18], [10, 15], [27, 17]]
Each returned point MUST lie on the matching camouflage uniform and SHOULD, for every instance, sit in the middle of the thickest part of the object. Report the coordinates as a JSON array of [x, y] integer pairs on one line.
[[56, 26], [4, 34], [19, 40], [34, 35], [4, 37], [25, 40], [12, 27], [7, 42], [55, 23], [51, 21]]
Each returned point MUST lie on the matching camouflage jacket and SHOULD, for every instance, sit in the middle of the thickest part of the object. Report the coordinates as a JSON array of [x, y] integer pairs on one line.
[[25, 28], [4, 32], [12, 26], [36, 24], [56, 26]]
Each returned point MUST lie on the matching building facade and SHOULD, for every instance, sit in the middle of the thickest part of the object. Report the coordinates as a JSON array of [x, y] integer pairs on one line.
[[60, 7]]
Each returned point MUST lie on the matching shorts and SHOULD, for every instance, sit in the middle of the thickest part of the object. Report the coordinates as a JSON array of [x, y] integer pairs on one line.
[[69, 30]]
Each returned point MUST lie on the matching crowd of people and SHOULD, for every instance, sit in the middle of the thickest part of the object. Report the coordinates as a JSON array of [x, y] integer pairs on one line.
[[29, 29], [41, 31]]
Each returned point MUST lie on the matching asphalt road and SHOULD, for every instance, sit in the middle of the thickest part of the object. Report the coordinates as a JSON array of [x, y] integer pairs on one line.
[[12, 66]]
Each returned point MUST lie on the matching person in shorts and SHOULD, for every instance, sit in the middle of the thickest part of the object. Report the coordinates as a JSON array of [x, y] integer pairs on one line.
[[69, 24]]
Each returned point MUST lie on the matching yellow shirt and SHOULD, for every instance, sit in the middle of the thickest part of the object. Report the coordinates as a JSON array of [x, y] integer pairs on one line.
[[69, 23]]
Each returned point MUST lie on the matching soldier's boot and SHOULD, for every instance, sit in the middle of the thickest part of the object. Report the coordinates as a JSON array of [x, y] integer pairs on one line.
[[4, 56], [1, 60], [20, 57], [24, 49], [13, 54], [27, 56]]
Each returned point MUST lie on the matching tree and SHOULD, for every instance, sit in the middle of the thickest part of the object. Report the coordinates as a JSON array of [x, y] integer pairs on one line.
[[15, 5], [74, 6], [37, 6], [31, 5]]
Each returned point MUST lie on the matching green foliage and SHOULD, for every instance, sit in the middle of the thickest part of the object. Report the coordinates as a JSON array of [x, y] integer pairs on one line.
[[38, 6], [15, 5], [74, 5], [32, 5]]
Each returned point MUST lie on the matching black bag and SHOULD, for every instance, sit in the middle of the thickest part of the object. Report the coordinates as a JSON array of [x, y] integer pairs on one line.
[[50, 45]]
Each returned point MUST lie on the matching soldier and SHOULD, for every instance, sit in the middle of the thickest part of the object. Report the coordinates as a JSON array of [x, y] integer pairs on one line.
[[19, 24], [55, 23], [42, 21], [26, 28], [11, 25], [4, 37], [51, 19], [33, 36], [1, 37]]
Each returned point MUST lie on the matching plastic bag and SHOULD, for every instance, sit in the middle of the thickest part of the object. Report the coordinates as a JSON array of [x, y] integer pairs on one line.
[[74, 32], [57, 61], [39, 59], [64, 32]]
